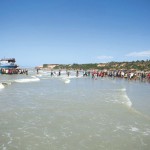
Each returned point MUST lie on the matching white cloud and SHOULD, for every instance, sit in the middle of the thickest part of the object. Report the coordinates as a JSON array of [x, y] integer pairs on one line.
[[104, 57], [139, 54]]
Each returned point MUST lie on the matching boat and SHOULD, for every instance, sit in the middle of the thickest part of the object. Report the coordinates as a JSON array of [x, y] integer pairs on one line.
[[8, 63]]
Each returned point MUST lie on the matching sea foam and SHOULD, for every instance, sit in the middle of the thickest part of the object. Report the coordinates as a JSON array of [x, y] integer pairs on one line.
[[67, 81], [2, 86], [34, 79], [128, 101]]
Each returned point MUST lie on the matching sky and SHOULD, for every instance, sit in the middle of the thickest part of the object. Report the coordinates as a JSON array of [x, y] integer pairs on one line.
[[37, 32]]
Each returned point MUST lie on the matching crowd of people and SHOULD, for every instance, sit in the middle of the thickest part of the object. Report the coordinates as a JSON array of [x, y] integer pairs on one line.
[[13, 71], [126, 74], [129, 75]]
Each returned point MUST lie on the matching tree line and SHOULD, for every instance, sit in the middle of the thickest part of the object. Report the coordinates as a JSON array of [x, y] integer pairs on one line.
[[141, 65]]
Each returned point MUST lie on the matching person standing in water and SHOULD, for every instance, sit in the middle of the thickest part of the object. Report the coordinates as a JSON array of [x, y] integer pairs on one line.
[[59, 73], [51, 73], [68, 73], [77, 73], [37, 70]]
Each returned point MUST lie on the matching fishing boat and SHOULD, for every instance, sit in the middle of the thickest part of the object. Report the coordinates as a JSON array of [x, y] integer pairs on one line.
[[8, 63]]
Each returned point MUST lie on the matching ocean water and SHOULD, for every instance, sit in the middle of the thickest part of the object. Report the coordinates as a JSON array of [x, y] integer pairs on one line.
[[40, 112]]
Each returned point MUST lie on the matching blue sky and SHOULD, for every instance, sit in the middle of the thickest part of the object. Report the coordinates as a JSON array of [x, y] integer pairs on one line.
[[36, 32]]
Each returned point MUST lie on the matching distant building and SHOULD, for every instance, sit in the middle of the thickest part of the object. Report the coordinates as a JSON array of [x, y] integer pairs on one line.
[[49, 66], [39, 67], [123, 64], [101, 65]]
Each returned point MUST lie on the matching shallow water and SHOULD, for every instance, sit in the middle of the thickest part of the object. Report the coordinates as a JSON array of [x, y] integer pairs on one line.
[[44, 112]]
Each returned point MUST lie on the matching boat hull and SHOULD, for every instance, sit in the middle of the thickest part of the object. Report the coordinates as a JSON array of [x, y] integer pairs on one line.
[[8, 67]]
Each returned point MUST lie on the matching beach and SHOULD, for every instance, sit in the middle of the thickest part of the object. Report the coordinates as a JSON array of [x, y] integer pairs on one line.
[[40, 111]]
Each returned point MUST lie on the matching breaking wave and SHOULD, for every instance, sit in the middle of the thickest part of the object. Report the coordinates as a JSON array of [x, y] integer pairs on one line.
[[2, 86], [33, 79], [67, 81], [127, 100]]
